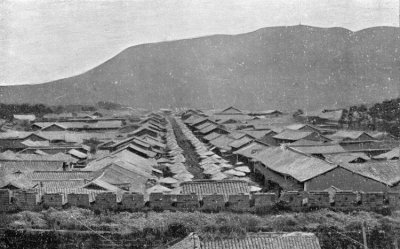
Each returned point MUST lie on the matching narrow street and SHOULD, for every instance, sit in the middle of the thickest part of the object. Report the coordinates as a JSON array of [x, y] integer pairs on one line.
[[192, 159]]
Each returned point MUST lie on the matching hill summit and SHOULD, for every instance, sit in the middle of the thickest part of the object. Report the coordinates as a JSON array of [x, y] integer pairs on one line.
[[272, 68]]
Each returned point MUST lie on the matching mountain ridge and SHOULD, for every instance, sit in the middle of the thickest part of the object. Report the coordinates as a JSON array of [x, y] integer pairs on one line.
[[248, 70]]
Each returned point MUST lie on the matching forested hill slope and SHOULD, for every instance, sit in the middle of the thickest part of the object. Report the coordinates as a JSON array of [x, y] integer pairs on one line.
[[279, 67]]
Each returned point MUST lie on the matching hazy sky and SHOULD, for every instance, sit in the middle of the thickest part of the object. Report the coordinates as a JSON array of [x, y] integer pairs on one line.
[[43, 40]]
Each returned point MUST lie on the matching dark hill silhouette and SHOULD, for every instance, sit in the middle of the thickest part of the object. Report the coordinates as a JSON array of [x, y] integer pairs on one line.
[[274, 68]]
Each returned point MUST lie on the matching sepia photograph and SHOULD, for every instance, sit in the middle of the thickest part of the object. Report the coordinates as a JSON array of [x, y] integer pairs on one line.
[[200, 124]]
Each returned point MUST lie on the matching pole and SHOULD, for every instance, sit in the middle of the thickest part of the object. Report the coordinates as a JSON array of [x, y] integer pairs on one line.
[[364, 224]]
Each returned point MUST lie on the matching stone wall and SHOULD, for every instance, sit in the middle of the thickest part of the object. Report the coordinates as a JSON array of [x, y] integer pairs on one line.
[[292, 200]]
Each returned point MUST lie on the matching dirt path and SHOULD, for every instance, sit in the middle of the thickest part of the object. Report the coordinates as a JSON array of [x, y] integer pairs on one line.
[[192, 159]]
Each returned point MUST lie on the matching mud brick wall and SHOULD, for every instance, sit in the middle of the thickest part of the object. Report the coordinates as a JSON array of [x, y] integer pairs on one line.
[[345, 200], [318, 199], [372, 200], [52, 200], [213, 202], [132, 201], [394, 200], [27, 200], [240, 202], [78, 200], [5, 198], [264, 200], [105, 201], [24, 200], [160, 200], [293, 199], [189, 201]]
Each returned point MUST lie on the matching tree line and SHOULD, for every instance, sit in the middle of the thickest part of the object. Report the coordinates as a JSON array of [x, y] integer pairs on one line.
[[384, 116]]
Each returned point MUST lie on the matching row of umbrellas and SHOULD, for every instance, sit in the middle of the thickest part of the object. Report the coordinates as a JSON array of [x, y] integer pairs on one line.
[[212, 164]]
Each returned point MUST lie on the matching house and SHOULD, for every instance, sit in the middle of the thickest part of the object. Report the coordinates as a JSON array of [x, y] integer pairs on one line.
[[230, 111], [241, 142], [212, 129], [273, 240], [222, 142], [145, 131], [54, 127], [247, 153], [371, 176], [390, 155], [328, 118], [265, 136], [303, 127], [290, 136], [288, 169], [24, 117], [344, 135], [209, 187], [211, 136]]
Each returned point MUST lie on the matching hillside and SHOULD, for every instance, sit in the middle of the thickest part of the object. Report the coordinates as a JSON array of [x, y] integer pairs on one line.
[[279, 67]]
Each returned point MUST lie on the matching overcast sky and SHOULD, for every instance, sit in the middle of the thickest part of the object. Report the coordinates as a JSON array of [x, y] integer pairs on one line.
[[44, 40]]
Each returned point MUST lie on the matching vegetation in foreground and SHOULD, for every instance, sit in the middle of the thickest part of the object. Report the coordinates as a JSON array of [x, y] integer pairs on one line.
[[153, 229]]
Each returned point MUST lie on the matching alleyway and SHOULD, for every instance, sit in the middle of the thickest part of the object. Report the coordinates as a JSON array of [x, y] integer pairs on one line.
[[192, 159]]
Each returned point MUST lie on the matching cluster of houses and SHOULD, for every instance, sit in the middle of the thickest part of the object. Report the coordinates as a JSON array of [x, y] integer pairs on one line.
[[286, 155], [237, 152]]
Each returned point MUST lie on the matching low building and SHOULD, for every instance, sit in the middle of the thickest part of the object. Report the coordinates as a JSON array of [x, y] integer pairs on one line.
[[296, 240]]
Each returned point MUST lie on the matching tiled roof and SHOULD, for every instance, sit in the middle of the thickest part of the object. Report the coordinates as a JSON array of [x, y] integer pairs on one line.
[[319, 149], [60, 175], [204, 125], [222, 142], [296, 165], [240, 142], [231, 110], [225, 187], [393, 154], [103, 124], [208, 129], [251, 150], [349, 134], [387, 172], [266, 241], [7, 167], [292, 135], [211, 136], [257, 133], [346, 157], [29, 117]]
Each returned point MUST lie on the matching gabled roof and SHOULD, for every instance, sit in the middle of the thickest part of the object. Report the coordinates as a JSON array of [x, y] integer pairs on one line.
[[209, 128], [258, 133], [386, 172], [77, 153], [231, 110], [208, 187], [100, 184], [198, 121], [29, 117], [301, 126], [60, 175], [62, 127], [293, 135], [211, 136], [390, 155], [240, 142], [251, 149], [296, 240], [342, 134], [319, 149], [222, 142], [8, 166], [346, 157], [287, 162]]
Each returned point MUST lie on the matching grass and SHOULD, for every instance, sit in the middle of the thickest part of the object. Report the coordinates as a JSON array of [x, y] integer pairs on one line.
[[165, 226]]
